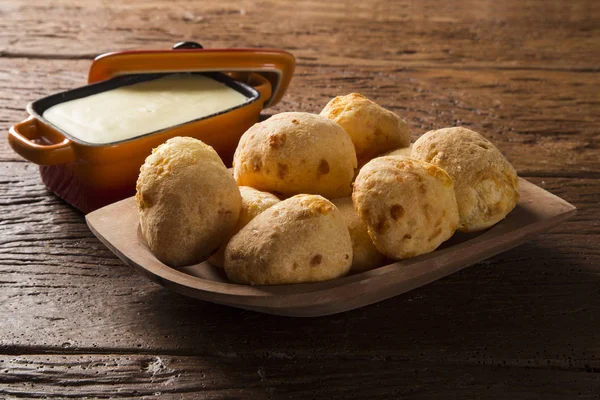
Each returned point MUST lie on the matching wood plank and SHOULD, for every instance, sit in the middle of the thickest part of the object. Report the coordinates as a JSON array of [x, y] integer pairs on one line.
[[505, 34], [543, 121], [167, 376], [58, 281]]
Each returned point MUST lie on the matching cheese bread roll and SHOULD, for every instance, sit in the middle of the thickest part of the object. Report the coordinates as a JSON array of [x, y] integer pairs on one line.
[[187, 201], [373, 129], [486, 185], [301, 239], [293, 153], [408, 205]]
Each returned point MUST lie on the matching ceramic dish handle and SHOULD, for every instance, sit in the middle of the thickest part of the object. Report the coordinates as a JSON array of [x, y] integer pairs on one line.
[[25, 138]]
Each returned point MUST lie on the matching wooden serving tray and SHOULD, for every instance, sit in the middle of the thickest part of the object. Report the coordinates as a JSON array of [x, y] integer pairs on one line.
[[117, 226]]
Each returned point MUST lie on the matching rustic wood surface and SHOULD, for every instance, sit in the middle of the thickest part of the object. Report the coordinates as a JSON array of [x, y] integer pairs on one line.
[[525, 324]]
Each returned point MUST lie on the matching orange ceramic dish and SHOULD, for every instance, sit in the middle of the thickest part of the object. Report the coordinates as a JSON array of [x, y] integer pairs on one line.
[[89, 176]]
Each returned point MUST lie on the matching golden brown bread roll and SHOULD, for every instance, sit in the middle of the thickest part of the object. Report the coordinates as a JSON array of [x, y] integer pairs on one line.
[[373, 129], [404, 151], [365, 254], [301, 239], [254, 202], [187, 200], [292, 153], [486, 185], [408, 205]]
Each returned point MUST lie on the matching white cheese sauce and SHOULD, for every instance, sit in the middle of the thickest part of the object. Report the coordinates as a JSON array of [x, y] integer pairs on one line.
[[134, 110]]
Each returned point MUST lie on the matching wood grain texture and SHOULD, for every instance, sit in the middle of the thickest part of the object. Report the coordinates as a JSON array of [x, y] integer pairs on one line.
[[61, 283], [401, 33], [523, 325], [552, 114], [185, 377]]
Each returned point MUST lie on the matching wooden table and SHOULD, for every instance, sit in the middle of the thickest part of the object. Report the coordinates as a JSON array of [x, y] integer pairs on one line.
[[526, 324]]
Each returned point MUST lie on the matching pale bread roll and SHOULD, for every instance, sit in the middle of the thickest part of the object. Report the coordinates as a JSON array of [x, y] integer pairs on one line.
[[254, 202], [408, 205], [365, 254], [292, 153], [404, 151], [301, 239], [486, 185], [373, 129], [187, 200]]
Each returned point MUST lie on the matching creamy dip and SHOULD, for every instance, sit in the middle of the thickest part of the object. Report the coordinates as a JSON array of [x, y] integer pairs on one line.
[[141, 108]]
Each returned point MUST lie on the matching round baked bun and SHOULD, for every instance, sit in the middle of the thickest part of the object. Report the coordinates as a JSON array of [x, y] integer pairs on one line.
[[408, 205], [373, 129], [486, 185], [294, 152], [187, 200], [254, 202], [404, 151], [301, 239], [365, 254]]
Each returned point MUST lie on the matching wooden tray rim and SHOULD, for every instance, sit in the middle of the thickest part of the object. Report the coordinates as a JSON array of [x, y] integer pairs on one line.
[[408, 273]]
